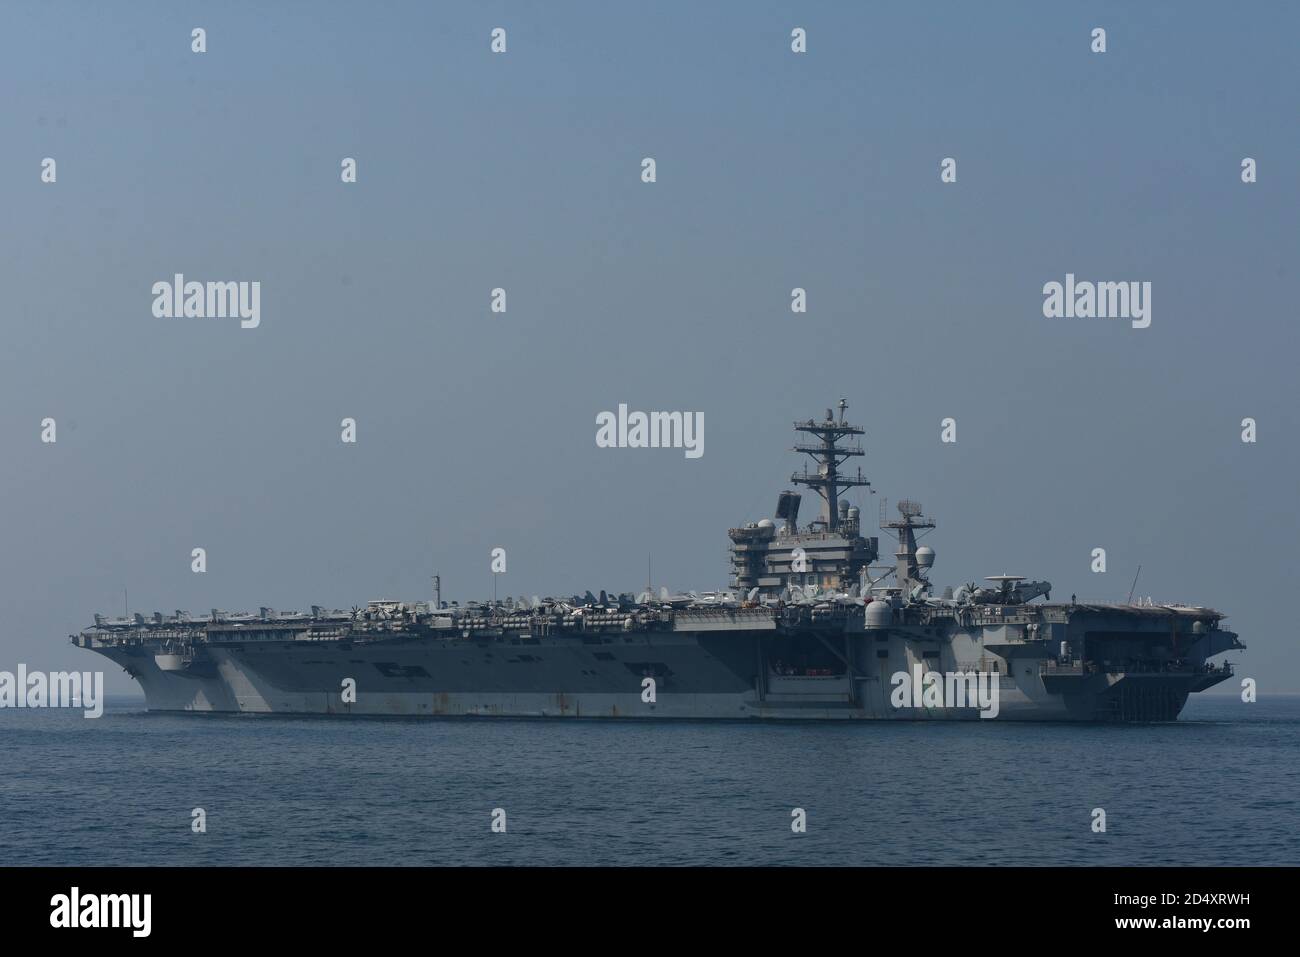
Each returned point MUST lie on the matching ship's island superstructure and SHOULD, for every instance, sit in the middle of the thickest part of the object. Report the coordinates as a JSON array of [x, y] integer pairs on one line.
[[812, 627]]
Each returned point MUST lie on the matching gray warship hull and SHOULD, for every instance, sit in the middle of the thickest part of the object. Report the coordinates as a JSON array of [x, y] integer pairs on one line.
[[813, 630], [724, 672]]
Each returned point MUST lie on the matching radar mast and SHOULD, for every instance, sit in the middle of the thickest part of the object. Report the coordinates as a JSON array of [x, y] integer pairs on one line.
[[829, 455], [908, 569]]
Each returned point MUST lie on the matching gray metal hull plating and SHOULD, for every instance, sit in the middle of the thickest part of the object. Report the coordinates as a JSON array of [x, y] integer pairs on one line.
[[697, 676]]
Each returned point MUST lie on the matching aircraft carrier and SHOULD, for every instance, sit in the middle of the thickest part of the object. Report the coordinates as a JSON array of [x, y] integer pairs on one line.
[[812, 627]]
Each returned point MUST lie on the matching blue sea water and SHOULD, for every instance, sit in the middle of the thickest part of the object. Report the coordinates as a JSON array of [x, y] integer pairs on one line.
[[1217, 787]]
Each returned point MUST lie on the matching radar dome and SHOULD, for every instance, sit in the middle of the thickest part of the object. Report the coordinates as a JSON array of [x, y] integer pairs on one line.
[[766, 523], [879, 614], [925, 556]]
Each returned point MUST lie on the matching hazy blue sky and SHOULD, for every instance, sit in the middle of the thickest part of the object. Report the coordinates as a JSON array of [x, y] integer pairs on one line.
[[521, 170]]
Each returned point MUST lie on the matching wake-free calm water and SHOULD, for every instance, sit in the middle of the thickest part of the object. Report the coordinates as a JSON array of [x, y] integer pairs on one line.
[[1220, 786]]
